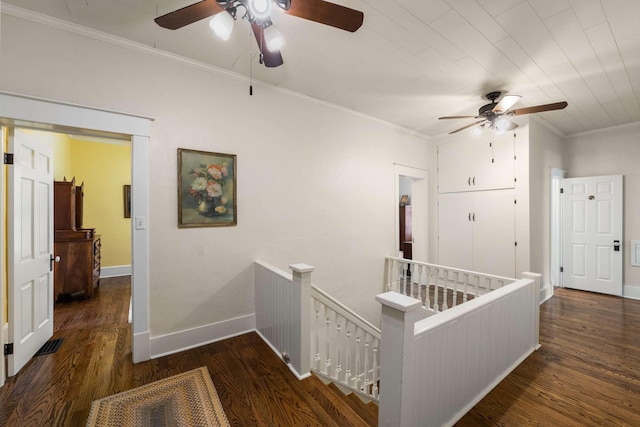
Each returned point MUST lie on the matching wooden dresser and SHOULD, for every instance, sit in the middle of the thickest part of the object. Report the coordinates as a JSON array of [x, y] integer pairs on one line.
[[78, 271]]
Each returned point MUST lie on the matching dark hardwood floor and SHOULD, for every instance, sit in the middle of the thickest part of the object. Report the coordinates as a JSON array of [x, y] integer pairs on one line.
[[586, 373], [94, 361]]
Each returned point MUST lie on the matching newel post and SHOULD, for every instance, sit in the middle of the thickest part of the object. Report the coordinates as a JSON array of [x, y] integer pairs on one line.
[[301, 360], [537, 278], [399, 314]]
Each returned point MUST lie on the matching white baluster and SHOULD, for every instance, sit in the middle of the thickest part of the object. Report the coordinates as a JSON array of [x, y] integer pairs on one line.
[[465, 292], [327, 313], [445, 290], [435, 291], [356, 377], [389, 265], [418, 271], [338, 354], [454, 291], [476, 283], [374, 391], [316, 307], [347, 375], [366, 365], [427, 288]]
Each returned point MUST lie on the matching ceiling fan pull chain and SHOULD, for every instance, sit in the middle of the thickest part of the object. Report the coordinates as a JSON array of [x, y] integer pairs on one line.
[[250, 68]]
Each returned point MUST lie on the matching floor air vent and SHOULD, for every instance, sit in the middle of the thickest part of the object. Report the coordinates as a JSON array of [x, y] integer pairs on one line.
[[49, 347]]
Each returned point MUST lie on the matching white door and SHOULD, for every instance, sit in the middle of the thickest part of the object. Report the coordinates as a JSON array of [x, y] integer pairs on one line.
[[592, 234], [494, 250], [30, 237], [455, 230]]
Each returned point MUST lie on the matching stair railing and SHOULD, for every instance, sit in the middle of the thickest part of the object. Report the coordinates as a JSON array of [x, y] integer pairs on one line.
[[312, 331], [345, 346], [438, 287]]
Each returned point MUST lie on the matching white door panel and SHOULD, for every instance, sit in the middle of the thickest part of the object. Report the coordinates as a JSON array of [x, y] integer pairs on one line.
[[455, 230], [494, 250], [592, 221], [30, 229]]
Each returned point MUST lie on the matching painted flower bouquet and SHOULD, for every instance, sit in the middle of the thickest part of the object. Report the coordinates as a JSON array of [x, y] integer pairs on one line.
[[207, 188]]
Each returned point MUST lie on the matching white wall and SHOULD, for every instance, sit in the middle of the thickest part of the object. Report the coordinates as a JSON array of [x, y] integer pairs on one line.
[[613, 151], [545, 153], [315, 183]]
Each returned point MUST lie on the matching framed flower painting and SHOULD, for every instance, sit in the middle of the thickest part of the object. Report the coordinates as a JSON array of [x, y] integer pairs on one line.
[[206, 189]]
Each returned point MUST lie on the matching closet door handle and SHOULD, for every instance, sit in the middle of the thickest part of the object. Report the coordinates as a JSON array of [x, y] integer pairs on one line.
[[469, 181], [474, 180], [474, 217], [469, 216]]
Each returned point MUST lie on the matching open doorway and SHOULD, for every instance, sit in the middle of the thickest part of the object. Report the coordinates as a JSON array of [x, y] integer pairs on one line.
[[96, 248], [412, 182], [26, 112]]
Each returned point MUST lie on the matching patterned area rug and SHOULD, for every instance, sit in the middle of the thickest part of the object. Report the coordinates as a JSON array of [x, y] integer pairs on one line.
[[187, 399]]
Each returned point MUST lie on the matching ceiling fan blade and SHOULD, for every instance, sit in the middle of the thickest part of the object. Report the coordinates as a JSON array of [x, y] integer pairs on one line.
[[271, 59], [189, 14], [466, 127], [457, 117], [540, 108], [505, 103], [327, 13]]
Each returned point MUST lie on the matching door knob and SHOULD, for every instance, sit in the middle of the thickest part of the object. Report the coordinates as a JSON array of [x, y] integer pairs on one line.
[[53, 259], [616, 245]]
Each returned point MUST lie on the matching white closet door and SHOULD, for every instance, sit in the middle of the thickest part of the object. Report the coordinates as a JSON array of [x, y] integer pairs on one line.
[[494, 250], [456, 165], [455, 230], [497, 164]]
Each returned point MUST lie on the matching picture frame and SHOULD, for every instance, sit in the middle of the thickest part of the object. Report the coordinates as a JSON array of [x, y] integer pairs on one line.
[[126, 191], [207, 189]]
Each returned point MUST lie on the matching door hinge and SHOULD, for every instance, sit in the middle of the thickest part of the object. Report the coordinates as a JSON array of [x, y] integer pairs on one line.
[[8, 158], [561, 269], [516, 243], [8, 349], [562, 191]]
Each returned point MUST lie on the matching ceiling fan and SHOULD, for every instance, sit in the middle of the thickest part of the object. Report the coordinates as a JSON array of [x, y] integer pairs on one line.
[[494, 114], [257, 12]]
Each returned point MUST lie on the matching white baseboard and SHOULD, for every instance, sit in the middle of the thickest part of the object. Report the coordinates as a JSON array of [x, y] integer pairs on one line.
[[630, 291], [546, 293], [115, 271], [140, 347], [174, 342]]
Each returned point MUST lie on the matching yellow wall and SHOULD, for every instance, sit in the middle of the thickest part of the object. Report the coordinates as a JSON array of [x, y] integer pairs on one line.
[[4, 277], [104, 168], [61, 156]]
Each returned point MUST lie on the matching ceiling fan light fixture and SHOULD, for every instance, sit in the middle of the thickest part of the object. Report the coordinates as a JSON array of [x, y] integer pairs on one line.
[[222, 25], [259, 9], [273, 38], [477, 130], [503, 123]]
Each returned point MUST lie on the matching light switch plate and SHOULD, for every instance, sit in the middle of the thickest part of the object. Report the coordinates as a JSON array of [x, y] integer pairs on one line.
[[141, 223], [635, 253]]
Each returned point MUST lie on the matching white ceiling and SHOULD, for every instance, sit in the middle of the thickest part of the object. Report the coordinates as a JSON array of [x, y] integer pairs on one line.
[[415, 60]]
